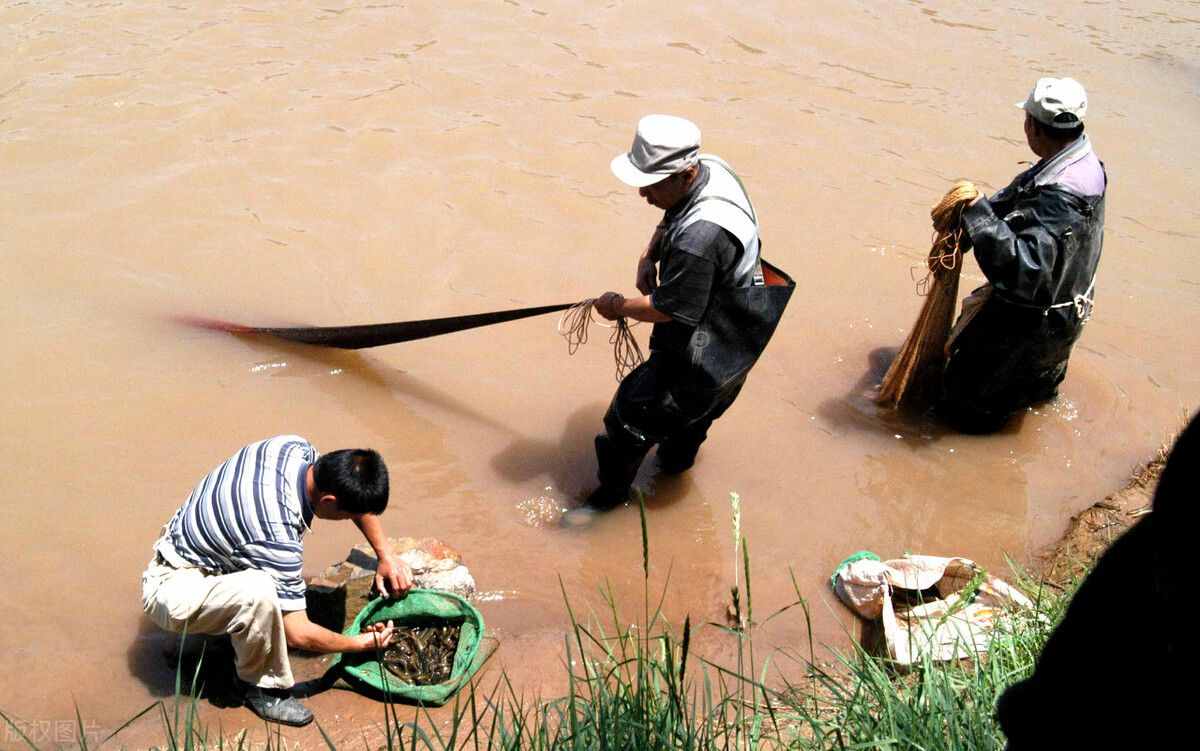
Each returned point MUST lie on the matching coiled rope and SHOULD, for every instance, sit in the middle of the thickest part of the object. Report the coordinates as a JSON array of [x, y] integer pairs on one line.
[[573, 326], [945, 252], [915, 374]]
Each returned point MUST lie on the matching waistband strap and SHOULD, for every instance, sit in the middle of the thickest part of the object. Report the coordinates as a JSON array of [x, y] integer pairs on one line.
[[1083, 304]]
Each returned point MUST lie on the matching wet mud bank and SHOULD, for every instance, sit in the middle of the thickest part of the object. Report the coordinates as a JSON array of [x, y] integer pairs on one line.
[[1093, 530]]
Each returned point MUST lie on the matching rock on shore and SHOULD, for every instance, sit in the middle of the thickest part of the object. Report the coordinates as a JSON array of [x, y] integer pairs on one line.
[[336, 596]]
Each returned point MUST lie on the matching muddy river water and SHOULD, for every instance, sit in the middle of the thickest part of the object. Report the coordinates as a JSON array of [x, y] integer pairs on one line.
[[351, 162]]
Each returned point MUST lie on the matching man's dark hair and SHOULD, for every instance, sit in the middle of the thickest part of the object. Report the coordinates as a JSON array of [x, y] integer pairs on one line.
[[358, 478], [1059, 135]]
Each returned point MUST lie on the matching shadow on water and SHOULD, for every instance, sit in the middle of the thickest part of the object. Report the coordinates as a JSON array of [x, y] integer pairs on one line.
[[858, 411], [569, 462], [376, 377], [667, 490], [156, 657]]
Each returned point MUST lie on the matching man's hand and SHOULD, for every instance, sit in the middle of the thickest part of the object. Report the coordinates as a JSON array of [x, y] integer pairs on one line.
[[376, 636], [647, 275], [393, 577], [607, 305]]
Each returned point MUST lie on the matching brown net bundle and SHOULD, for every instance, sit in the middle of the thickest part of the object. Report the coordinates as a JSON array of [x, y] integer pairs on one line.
[[915, 375]]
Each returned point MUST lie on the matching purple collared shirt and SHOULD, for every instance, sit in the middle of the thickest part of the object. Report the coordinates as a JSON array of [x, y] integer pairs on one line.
[[1076, 168]]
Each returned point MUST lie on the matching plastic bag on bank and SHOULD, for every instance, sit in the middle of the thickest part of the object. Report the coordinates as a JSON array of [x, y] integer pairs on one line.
[[944, 608]]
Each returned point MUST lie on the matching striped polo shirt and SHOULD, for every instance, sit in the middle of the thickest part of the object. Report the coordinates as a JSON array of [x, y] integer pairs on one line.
[[249, 513]]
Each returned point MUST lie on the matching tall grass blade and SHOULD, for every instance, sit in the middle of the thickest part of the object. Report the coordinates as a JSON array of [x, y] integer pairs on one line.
[[83, 743], [687, 641], [129, 722], [746, 571], [20, 733], [170, 729], [329, 744], [645, 535]]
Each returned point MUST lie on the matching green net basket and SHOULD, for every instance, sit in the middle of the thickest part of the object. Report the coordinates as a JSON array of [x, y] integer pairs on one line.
[[366, 673]]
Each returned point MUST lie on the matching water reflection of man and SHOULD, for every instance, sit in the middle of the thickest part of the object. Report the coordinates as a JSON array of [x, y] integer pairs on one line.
[[1038, 242], [229, 561], [713, 302]]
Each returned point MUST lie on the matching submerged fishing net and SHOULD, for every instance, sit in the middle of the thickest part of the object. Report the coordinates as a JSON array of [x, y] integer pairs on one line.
[[915, 375]]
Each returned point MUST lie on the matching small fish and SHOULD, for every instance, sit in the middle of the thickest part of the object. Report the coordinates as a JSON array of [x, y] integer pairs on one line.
[[423, 654]]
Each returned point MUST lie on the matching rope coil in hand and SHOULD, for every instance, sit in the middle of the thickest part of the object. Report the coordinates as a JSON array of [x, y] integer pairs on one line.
[[573, 326], [945, 252]]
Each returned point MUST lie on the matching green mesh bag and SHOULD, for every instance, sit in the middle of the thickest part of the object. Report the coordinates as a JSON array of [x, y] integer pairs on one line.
[[366, 673], [860, 555]]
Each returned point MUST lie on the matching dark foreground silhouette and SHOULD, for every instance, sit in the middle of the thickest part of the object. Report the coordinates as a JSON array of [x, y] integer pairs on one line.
[[1115, 673]]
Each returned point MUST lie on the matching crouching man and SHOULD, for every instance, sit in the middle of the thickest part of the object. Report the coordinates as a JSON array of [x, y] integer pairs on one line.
[[229, 561]]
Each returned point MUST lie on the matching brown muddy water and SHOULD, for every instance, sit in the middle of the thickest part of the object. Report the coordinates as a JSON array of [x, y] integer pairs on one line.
[[348, 162]]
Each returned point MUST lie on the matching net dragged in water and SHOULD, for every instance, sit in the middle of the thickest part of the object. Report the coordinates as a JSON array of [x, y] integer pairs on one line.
[[915, 376], [422, 653]]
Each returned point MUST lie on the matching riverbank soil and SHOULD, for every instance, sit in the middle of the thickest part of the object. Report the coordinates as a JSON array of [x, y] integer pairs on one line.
[[277, 163], [1093, 530]]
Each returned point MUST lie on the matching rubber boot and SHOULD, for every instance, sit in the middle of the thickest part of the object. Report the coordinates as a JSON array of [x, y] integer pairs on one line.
[[617, 466]]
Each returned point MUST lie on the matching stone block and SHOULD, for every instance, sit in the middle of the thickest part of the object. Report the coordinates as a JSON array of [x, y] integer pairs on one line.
[[340, 591]]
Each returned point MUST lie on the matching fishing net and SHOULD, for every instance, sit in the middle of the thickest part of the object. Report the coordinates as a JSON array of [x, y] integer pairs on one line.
[[915, 376], [372, 334], [573, 326], [420, 608]]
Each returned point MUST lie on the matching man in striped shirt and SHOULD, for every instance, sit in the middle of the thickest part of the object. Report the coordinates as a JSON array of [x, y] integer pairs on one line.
[[229, 561]]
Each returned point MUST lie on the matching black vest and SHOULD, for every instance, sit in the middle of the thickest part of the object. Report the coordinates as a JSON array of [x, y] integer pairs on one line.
[[743, 309]]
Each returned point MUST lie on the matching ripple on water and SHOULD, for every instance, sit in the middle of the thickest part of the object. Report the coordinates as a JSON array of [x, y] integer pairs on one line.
[[1065, 409], [686, 46], [495, 595], [268, 366], [543, 510]]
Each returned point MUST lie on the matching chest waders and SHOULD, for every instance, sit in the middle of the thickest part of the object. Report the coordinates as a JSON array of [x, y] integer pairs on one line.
[[1013, 352], [673, 398]]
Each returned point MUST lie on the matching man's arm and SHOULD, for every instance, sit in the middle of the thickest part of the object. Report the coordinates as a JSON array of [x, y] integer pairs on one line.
[[393, 577], [1021, 262], [685, 279], [613, 305], [302, 633]]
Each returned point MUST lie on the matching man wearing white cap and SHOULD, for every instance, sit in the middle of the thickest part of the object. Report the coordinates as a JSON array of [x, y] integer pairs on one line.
[[713, 300], [1038, 242]]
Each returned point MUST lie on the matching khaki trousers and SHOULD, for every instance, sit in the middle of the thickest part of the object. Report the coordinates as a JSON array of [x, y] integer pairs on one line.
[[243, 605]]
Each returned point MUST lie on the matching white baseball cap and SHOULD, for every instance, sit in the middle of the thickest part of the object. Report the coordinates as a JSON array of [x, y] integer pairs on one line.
[[1057, 102], [662, 146]]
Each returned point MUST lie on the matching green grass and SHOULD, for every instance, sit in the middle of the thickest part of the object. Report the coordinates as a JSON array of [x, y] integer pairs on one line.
[[639, 687]]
